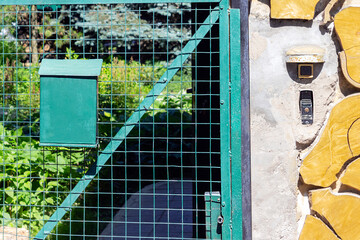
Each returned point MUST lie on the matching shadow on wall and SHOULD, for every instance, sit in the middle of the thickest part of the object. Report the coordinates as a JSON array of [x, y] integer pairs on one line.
[[292, 70], [275, 23], [345, 87]]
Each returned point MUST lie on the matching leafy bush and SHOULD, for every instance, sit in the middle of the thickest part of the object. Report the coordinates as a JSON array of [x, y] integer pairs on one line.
[[21, 86], [181, 101], [33, 179], [124, 83], [20, 89], [8, 51]]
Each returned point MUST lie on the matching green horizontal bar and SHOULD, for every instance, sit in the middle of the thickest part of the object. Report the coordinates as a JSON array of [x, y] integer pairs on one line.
[[52, 2], [128, 126]]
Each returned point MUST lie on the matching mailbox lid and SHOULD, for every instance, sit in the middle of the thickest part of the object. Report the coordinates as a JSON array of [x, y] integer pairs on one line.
[[68, 111], [79, 68]]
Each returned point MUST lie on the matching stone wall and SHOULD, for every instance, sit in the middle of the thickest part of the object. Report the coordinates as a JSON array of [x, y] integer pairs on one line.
[[279, 140]]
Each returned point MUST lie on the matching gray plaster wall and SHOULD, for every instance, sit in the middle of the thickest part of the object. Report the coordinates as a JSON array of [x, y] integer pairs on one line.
[[278, 137]]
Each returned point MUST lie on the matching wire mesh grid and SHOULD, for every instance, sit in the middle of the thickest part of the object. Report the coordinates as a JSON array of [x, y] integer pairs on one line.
[[153, 185]]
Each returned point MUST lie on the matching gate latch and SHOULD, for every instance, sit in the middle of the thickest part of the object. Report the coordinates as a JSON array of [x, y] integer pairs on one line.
[[213, 218], [220, 220]]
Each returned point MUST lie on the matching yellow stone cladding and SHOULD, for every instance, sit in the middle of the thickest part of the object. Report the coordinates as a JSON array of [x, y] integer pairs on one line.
[[315, 229], [338, 143], [293, 9], [348, 30], [342, 211], [351, 176]]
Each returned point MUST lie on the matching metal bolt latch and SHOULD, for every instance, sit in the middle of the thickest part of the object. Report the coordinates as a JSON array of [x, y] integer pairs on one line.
[[220, 220]]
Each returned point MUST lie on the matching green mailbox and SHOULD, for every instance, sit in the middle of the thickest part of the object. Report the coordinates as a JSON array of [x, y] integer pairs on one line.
[[68, 102]]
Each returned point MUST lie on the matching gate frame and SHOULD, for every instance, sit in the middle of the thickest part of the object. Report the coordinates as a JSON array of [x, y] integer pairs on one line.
[[243, 6], [233, 117]]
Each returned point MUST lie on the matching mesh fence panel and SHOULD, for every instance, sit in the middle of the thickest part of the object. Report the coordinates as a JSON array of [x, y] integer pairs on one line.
[[153, 185]]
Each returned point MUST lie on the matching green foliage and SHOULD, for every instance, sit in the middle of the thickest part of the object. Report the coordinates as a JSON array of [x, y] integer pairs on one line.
[[180, 101], [33, 179], [124, 85], [19, 88], [9, 46], [89, 28], [127, 84], [70, 54], [9, 50], [8, 18], [134, 26], [54, 29]]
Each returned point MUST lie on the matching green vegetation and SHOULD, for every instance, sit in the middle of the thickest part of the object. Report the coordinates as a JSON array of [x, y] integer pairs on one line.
[[8, 48], [35, 178], [32, 179], [121, 85]]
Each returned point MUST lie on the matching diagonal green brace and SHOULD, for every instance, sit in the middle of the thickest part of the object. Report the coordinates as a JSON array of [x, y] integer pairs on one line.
[[129, 125]]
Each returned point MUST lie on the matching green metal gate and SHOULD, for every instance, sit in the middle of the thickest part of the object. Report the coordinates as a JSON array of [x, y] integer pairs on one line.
[[167, 159]]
